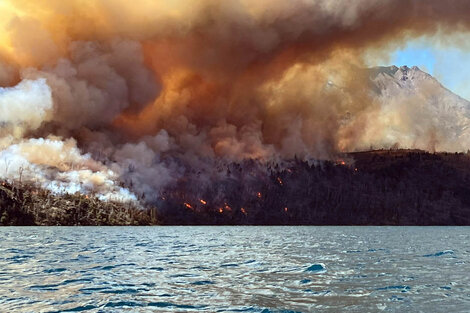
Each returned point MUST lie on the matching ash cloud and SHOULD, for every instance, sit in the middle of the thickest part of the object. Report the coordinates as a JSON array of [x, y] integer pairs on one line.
[[142, 94]]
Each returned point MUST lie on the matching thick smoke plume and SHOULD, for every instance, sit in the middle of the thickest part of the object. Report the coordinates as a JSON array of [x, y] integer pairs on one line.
[[100, 95]]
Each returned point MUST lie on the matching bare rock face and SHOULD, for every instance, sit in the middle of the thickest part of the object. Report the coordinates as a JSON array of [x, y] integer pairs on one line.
[[392, 77]]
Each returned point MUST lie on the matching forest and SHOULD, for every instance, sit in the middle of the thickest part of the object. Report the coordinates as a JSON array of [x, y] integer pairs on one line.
[[382, 187]]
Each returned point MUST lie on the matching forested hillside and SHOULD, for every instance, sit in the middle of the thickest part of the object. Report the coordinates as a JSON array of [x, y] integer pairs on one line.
[[384, 187]]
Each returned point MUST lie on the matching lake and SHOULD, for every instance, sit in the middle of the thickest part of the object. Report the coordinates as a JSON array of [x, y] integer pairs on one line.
[[235, 269]]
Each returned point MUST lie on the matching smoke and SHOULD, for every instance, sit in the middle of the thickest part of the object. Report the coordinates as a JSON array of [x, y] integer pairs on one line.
[[415, 111], [141, 94], [59, 166], [25, 106], [97, 83]]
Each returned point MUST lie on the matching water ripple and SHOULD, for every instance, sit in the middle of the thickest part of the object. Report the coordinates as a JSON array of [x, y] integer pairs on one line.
[[234, 269]]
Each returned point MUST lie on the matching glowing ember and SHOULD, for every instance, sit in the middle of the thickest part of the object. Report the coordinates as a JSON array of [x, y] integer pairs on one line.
[[221, 210], [227, 207], [279, 181], [243, 211], [188, 206], [203, 202], [258, 194], [286, 209]]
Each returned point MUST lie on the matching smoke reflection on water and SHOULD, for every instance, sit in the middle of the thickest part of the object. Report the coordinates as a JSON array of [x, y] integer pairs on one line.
[[234, 269]]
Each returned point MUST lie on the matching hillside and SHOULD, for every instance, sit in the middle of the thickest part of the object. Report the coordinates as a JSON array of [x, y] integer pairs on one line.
[[25, 204], [384, 187]]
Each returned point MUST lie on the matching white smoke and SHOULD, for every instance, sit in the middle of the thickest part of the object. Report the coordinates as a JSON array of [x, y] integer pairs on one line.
[[58, 166], [25, 106]]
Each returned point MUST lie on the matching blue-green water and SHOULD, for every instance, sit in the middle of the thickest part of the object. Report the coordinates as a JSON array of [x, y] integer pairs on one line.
[[235, 269]]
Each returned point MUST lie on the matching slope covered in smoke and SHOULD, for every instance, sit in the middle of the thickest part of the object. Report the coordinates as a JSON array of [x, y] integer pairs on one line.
[[412, 109], [417, 111]]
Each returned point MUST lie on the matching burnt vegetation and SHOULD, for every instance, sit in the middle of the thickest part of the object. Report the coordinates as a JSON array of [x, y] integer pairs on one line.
[[25, 204], [383, 187]]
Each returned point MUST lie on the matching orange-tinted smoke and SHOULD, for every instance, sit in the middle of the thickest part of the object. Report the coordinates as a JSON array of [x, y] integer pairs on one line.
[[238, 77]]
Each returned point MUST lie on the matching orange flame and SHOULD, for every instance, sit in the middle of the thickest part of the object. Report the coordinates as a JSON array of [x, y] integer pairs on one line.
[[189, 206], [258, 194], [227, 207], [221, 210], [203, 202]]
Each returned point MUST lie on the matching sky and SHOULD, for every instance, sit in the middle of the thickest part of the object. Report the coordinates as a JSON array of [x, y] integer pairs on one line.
[[449, 64]]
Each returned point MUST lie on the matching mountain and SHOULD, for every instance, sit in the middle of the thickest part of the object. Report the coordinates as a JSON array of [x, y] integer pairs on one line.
[[392, 81], [417, 111]]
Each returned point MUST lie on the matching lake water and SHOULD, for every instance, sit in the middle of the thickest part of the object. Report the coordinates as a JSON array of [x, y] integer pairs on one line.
[[235, 269]]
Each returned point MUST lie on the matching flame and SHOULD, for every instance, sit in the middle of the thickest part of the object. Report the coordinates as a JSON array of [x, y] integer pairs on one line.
[[286, 209], [189, 206], [279, 181], [221, 210], [227, 207], [258, 194], [203, 202]]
